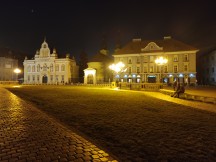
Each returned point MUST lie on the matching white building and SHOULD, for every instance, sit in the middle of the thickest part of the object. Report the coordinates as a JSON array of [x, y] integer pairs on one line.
[[47, 68], [139, 58]]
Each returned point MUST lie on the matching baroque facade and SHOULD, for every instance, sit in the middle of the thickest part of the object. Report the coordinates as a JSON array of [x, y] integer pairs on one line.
[[139, 58], [47, 68]]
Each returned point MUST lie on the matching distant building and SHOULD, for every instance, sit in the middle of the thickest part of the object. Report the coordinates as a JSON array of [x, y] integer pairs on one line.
[[98, 71], [7, 67], [139, 58], [207, 67], [47, 68]]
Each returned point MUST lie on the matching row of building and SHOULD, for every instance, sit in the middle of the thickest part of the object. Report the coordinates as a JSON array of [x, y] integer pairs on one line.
[[138, 56]]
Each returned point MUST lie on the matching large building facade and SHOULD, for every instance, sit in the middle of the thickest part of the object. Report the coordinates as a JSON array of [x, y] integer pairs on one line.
[[207, 67], [7, 67], [139, 58], [47, 68]]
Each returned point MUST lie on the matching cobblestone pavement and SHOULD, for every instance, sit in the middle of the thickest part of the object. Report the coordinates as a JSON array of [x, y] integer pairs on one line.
[[27, 134]]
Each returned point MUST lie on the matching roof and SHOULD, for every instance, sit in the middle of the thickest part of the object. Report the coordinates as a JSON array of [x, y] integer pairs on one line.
[[99, 57], [165, 45]]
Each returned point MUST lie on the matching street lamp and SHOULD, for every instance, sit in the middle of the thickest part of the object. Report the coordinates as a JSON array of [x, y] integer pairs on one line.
[[161, 61], [119, 67], [17, 71]]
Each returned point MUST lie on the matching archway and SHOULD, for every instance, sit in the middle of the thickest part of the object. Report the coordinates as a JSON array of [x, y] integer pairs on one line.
[[90, 79], [44, 79]]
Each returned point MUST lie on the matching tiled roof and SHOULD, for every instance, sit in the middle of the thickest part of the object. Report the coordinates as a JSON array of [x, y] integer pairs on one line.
[[99, 57], [166, 45]]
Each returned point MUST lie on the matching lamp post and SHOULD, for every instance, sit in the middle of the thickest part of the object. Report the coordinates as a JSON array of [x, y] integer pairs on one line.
[[119, 67], [161, 61], [17, 71]]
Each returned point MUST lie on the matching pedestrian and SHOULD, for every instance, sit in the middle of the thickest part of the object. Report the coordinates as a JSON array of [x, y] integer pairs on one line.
[[179, 90], [174, 85]]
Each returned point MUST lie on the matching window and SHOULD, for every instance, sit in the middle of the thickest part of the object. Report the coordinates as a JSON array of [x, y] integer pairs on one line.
[[57, 68], [165, 69], [51, 78], [38, 68], [145, 69], [33, 78], [63, 78], [175, 58], [45, 67], [51, 67], [151, 58], [28, 77], [158, 69], [185, 67], [175, 68], [138, 69], [63, 67], [129, 70], [212, 69], [29, 68], [185, 57], [129, 61], [33, 68], [57, 78], [38, 78], [151, 69], [138, 60], [145, 59]]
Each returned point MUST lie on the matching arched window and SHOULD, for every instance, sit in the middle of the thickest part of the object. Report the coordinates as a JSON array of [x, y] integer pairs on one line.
[[57, 67], [63, 67], [29, 68], [33, 68], [38, 68], [45, 67], [51, 67]]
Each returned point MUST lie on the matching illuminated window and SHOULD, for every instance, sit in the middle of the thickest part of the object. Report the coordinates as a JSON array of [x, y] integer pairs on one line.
[[185, 57], [175, 58], [129, 70], [175, 68]]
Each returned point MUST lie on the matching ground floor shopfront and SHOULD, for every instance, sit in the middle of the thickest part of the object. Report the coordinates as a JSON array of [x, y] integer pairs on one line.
[[187, 78]]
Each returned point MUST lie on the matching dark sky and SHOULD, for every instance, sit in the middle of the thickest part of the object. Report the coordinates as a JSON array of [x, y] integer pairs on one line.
[[73, 25]]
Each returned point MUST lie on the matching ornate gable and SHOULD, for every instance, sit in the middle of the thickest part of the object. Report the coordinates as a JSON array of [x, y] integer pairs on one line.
[[152, 46]]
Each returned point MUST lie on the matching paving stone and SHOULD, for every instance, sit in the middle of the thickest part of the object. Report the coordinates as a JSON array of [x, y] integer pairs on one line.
[[27, 134]]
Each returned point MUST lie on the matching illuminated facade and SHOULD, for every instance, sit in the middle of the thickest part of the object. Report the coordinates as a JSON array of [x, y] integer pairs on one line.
[[98, 71], [139, 58], [47, 68], [7, 66]]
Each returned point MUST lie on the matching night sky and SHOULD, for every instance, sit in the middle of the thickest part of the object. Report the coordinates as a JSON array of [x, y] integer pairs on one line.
[[76, 25]]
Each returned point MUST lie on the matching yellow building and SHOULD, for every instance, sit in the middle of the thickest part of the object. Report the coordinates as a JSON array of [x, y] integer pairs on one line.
[[139, 58], [98, 71]]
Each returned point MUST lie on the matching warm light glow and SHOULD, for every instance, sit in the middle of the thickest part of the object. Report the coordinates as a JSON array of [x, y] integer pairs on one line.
[[117, 67], [161, 61], [17, 71]]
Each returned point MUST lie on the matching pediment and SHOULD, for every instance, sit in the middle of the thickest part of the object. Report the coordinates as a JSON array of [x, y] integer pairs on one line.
[[152, 46]]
